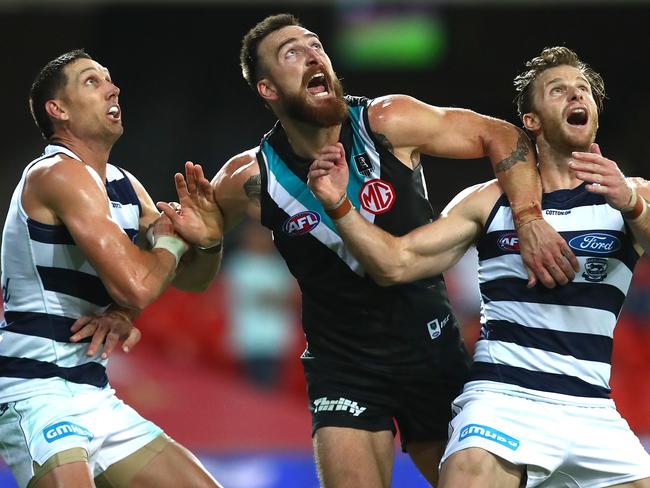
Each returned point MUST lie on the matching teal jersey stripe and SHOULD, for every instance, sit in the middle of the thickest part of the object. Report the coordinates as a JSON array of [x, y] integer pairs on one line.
[[297, 188], [356, 180]]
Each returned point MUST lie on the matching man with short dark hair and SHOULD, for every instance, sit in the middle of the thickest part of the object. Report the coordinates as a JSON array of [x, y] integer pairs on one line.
[[68, 251], [373, 355], [536, 411]]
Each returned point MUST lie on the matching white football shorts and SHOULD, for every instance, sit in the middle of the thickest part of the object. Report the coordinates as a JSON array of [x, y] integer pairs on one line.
[[563, 446]]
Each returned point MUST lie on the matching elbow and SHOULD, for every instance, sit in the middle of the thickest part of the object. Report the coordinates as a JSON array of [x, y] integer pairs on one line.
[[388, 276], [134, 296]]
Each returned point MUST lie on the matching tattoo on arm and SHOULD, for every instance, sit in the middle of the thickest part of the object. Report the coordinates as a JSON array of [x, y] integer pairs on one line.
[[383, 140], [253, 188], [518, 155]]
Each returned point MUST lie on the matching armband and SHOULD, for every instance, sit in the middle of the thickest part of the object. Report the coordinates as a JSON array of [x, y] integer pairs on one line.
[[172, 244], [341, 209]]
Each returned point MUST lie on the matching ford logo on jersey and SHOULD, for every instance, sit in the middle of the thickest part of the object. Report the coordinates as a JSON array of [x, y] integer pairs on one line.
[[596, 242], [509, 242], [301, 223]]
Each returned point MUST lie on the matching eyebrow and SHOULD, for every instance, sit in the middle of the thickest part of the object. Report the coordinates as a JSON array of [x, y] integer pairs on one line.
[[93, 68], [556, 80], [293, 39]]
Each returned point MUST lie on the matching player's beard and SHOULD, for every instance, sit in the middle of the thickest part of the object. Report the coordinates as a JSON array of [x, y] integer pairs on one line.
[[325, 113]]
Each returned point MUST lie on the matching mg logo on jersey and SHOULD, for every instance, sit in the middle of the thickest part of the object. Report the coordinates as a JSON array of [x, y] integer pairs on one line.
[[509, 242], [377, 196], [490, 434], [301, 223], [64, 429], [596, 242]]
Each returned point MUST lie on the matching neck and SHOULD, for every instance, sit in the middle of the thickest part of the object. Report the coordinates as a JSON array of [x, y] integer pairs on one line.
[[307, 140], [554, 167], [93, 153]]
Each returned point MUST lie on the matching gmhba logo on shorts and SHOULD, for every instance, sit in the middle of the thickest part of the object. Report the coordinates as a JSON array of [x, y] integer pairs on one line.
[[301, 223], [60, 430], [490, 434], [377, 196]]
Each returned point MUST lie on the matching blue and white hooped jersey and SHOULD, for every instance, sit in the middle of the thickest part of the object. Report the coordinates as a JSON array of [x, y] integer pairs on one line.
[[47, 284], [554, 343]]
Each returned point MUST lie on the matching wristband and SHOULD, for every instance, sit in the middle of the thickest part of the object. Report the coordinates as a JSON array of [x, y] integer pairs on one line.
[[638, 211], [527, 215], [213, 249], [341, 210], [172, 244]]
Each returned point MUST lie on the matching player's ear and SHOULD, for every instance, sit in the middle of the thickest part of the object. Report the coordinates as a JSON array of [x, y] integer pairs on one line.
[[56, 110], [267, 90], [531, 122]]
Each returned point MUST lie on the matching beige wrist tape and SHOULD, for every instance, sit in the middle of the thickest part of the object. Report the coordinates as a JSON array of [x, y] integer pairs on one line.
[[172, 244]]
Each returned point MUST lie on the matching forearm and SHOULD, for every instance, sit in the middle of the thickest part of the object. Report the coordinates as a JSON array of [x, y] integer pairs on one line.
[[142, 279], [198, 269], [378, 251], [638, 218], [513, 160]]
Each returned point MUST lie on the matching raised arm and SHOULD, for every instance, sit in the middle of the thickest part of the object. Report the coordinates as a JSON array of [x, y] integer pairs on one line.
[[71, 193], [199, 220], [629, 195], [409, 128], [426, 251], [209, 208]]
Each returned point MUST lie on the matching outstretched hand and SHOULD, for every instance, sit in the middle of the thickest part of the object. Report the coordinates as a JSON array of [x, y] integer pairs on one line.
[[603, 177], [108, 328], [328, 175], [199, 220]]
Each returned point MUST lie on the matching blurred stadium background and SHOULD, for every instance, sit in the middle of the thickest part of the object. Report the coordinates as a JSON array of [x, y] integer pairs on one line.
[[204, 369]]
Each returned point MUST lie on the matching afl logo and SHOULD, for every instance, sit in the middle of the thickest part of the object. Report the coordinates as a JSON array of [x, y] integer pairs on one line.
[[596, 242], [377, 196], [301, 223], [509, 242]]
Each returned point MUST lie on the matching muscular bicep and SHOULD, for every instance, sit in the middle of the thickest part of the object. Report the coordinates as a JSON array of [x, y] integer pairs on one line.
[[434, 248], [80, 202]]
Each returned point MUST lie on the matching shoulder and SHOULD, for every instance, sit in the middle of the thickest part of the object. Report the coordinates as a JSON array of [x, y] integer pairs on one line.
[[476, 201], [60, 171], [384, 109], [240, 167]]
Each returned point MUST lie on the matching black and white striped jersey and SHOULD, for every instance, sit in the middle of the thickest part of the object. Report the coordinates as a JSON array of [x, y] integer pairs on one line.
[[555, 343], [47, 284]]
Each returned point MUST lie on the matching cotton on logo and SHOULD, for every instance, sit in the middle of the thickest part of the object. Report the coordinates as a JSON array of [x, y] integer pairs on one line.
[[377, 196]]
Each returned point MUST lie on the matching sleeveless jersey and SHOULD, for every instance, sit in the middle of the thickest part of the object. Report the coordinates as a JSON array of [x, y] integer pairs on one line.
[[554, 343], [347, 318], [47, 284]]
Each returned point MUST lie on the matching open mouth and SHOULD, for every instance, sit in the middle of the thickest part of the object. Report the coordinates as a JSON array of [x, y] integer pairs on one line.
[[114, 112], [578, 116], [317, 85]]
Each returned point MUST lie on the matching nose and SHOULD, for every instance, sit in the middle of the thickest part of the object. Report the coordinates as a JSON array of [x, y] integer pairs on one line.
[[312, 56], [114, 90], [575, 93]]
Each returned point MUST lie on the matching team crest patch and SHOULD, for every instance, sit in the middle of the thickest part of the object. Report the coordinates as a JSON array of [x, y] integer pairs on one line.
[[364, 165], [595, 269], [377, 196], [301, 223]]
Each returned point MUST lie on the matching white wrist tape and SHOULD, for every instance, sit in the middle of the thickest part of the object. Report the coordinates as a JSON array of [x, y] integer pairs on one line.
[[172, 244]]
